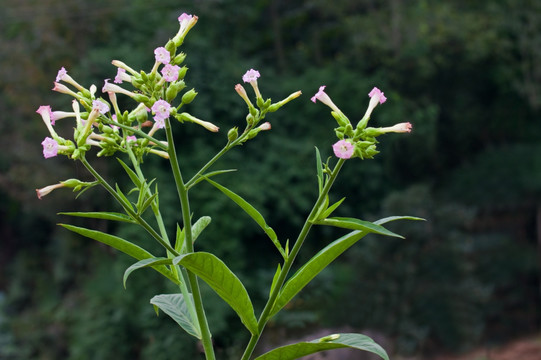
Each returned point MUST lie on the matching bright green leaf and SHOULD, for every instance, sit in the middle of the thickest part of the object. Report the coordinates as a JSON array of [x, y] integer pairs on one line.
[[122, 245], [336, 341], [254, 214], [199, 226], [150, 262], [133, 176], [329, 210], [313, 267], [222, 280], [319, 167], [175, 306], [101, 215], [394, 218], [356, 224], [209, 174]]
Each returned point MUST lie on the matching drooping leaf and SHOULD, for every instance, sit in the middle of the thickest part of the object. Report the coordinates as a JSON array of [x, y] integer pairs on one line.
[[313, 267], [335, 341], [175, 306], [356, 224], [101, 215], [222, 280], [122, 245], [150, 262], [254, 214], [199, 226]]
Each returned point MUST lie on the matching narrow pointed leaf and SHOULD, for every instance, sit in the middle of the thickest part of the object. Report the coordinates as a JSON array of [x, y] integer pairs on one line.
[[394, 218], [335, 341], [319, 168], [179, 239], [313, 267], [331, 208], [122, 245], [222, 280], [254, 214], [150, 262], [275, 278], [133, 176], [125, 200], [175, 306], [209, 174], [101, 215], [356, 224]]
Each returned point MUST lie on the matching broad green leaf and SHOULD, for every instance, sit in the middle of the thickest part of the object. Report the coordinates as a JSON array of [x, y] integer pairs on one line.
[[199, 226], [133, 176], [319, 168], [254, 214], [101, 215], [124, 246], [356, 224], [150, 262], [313, 267], [394, 218], [222, 280], [335, 341], [175, 306]]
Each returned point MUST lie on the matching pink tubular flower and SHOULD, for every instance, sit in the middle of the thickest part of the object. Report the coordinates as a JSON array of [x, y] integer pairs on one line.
[[186, 22], [131, 138], [184, 18], [100, 105], [162, 55], [398, 128], [50, 148], [376, 97], [251, 75], [45, 110], [121, 76], [378, 94], [61, 74], [343, 149], [265, 126], [325, 99], [47, 189], [161, 109], [170, 72]]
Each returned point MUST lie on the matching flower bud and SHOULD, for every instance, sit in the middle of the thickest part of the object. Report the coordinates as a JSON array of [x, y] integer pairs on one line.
[[179, 59], [233, 134], [189, 96]]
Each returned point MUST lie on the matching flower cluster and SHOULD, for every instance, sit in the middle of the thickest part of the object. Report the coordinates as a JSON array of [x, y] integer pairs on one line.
[[361, 140]]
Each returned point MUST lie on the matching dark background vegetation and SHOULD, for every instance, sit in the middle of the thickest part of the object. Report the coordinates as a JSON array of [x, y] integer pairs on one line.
[[466, 74]]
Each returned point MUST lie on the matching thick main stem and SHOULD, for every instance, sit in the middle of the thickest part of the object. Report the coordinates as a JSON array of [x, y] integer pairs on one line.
[[265, 314], [206, 337]]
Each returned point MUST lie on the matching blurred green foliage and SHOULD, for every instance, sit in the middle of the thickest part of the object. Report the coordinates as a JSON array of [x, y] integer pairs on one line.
[[466, 74]]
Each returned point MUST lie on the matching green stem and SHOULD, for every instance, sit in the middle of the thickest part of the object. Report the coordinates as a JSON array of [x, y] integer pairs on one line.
[[127, 207], [206, 337], [265, 314]]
